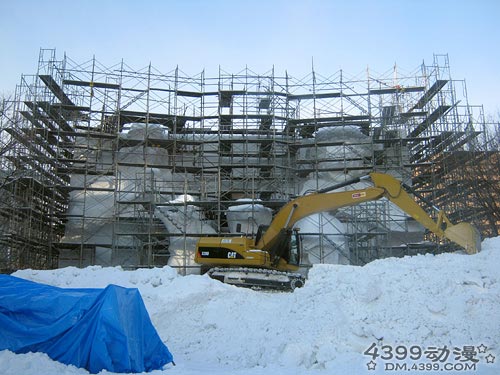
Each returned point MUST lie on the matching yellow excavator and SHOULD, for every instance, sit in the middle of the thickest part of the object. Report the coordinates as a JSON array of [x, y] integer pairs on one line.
[[272, 258]]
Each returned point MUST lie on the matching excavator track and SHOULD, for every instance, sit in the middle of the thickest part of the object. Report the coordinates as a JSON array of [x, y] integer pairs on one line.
[[258, 278]]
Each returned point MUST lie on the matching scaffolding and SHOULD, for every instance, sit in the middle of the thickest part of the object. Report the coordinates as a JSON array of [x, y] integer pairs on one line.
[[104, 154]]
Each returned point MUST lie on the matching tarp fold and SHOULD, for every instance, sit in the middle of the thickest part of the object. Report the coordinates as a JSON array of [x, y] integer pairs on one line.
[[96, 329]]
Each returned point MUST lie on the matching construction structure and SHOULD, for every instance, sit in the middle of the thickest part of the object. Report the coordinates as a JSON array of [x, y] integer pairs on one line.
[[119, 166]]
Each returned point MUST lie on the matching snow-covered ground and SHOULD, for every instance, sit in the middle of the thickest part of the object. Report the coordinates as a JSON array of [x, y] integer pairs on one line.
[[433, 314]]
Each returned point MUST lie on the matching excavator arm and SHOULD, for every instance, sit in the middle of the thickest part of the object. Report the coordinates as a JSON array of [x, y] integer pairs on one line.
[[282, 224], [464, 234]]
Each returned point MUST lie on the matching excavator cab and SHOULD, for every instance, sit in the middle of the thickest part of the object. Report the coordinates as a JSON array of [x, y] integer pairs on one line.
[[285, 249], [295, 249]]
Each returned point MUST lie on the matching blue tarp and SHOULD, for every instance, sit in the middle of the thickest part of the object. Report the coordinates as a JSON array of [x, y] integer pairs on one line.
[[91, 328]]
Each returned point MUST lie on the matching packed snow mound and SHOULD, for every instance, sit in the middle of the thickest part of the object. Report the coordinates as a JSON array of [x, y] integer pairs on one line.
[[324, 327], [100, 277]]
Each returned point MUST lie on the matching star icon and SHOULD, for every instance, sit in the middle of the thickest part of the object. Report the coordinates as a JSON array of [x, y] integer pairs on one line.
[[371, 365], [490, 358], [482, 348]]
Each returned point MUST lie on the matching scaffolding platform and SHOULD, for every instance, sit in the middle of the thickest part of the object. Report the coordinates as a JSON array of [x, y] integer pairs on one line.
[[122, 143]]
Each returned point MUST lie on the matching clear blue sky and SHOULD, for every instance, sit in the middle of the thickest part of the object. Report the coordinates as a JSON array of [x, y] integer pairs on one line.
[[203, 34]]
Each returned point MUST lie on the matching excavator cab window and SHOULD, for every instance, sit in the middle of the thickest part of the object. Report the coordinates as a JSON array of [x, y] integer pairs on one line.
[[295, 249], [260, 232]]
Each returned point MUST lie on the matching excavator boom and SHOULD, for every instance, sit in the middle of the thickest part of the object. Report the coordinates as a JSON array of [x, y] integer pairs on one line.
[[463, 234], [311, 204]]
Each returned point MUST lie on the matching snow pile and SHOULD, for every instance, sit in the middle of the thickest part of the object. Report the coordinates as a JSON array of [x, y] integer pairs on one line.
[[323, 328]]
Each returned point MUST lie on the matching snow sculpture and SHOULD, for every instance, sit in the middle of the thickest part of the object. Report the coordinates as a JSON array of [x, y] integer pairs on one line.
[[246, 218], [330, 246], [182, 218]]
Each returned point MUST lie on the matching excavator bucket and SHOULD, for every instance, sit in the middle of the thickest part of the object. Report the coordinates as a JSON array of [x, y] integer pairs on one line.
[[466, 235]]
